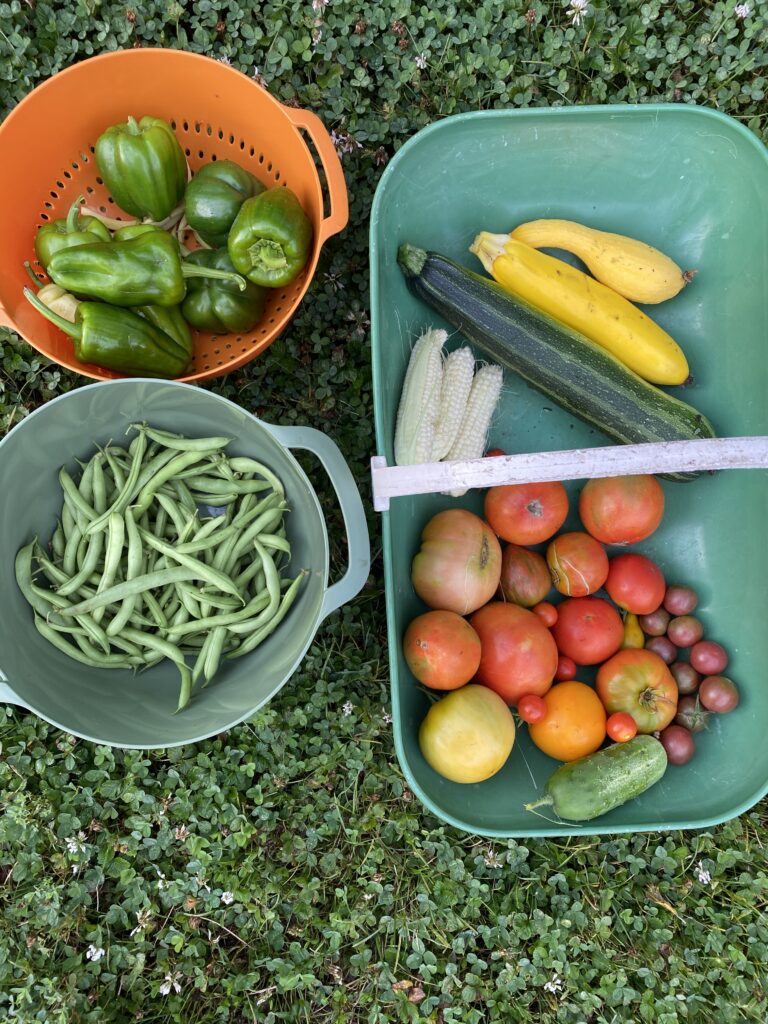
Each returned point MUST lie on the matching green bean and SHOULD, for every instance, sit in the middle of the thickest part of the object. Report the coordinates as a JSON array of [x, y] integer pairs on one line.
[[182, 444], [118, 476], [203, 571], [197, 668], [161, 520], [139, 585], [85, 487], [150, 469], [58, 542], [100, 661], [260, 635], [272, 581], [265, 523], [184, 495], [99, 486], [89, 564], [189, 602], [74, 497], [84, 622], [228, 618], [253, 573], [210, 485], [154, 609], [69, 560], [249, 467], [25, 580], [173, 511], [213, 654], [82, 552], [275, 542], [67, 521], [52, 572], [176, 465], [115, 544], [133, 569], [155, 643], [222, 601], [208, 527], [191, 521], [126, 485], [217, 500]]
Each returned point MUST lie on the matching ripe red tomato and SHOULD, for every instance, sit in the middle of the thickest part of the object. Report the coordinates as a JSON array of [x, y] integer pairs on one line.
[[531, 708], [635, 583], [546, 612], [524, 576], [493, 452], [526, 513], [638, 682], [442, 650], [577, 563], [566, 669], [458, 566], [621, 509], [621, 727], [518, 654], [588, 629]]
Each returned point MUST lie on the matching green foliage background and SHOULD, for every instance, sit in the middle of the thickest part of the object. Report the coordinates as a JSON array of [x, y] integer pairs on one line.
[[283, 872]]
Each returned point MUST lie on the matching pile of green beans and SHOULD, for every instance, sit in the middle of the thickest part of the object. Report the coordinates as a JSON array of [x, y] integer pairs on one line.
[[168, 548]]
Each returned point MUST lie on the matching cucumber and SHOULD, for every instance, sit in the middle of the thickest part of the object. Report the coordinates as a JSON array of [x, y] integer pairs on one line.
[[593, 785], [580, 376]]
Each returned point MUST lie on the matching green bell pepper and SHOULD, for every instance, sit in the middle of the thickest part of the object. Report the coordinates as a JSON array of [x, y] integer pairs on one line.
[[118, 339], [143, 166], [219, 306], [271, 238], [146, 270], [68, 232], [133, 231], [170, 320], [214, 196]]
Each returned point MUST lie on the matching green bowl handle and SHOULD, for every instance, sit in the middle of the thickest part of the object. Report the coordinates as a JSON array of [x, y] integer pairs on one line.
[[7, 696], [358, 543]]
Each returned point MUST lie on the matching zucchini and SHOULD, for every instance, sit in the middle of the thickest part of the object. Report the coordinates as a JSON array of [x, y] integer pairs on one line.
[[595, 784], [580, 376]]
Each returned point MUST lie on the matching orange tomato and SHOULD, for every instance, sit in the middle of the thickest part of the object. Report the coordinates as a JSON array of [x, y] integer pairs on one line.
[[574, 724]]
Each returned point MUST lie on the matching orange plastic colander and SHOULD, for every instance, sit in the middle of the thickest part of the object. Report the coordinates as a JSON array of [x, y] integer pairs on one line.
[[217, 113]]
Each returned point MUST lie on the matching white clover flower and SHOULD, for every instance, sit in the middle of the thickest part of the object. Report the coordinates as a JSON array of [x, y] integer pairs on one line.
[[490, 858], [742, 11], [181, 832], [143, 918], [702, 874], [172, 981], [577, 11], [318, 6], [387, 717], [161, 882], [75, 844], [347, 709], [227, 898], [421, 61], [94, 953], [554, 984], [225, 60]]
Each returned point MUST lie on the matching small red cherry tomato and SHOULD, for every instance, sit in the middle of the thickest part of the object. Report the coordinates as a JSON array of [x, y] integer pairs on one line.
[[566, 669], [493, 452], [621, 726], [531, 708], [546, 612]]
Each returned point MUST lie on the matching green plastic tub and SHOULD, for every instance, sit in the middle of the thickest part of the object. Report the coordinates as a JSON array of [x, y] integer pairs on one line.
[[116, 707], [694, 183]]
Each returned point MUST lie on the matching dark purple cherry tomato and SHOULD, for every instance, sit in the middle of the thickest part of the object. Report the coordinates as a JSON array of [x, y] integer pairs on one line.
[[656, 623], [686, 677], [662, 646], [708, 658], [685, 630], [691, 715], [718, 694], [678, 743], [680, 600]]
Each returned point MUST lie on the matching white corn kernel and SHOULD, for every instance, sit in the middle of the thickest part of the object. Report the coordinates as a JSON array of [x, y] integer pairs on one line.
[[420, 400], [473, 433], [458, 371]]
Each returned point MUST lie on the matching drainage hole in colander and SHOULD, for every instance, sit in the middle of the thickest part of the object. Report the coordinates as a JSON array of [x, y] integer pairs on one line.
[[201, 154], [188, 152], [67, 174], [99, 181], [89, 190], [54, 195], [231, 140], [186, 126], [261, 158], [43, 216]]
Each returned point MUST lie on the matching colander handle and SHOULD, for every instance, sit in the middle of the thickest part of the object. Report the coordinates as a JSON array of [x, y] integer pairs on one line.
[[334, 175], [355, 524]]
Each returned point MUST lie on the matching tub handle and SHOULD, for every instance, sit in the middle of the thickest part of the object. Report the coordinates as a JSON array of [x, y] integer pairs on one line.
[[348, 493], [7, 695]]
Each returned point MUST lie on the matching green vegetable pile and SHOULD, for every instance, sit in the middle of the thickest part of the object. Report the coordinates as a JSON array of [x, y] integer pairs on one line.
[[128, 305], [138, 575]]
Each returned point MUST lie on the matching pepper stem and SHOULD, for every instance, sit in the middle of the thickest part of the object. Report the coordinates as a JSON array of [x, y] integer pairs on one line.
[[74, 215], [73, 330], [133, 125], [191, 270], [266, 254]]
